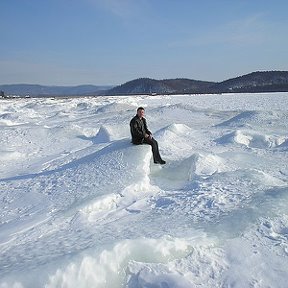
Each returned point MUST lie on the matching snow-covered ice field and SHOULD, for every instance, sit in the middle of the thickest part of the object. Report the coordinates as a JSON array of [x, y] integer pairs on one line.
[[80, 206]]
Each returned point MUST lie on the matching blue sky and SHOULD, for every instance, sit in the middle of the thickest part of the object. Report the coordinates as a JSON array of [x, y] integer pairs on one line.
[[72, 42]]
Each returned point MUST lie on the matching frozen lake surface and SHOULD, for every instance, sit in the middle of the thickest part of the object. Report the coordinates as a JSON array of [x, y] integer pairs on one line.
[[80, 206]]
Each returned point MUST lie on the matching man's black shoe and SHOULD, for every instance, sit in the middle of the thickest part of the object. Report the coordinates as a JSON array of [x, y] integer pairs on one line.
[[160, 162]]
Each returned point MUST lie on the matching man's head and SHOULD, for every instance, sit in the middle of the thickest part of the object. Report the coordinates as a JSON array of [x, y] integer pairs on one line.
[[140, 112]]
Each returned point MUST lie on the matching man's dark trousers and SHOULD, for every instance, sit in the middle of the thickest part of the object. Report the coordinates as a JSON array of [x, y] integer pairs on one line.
[[155, 150]]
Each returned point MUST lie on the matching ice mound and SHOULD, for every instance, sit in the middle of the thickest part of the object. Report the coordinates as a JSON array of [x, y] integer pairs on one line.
[[87, 178], [179, 128], [241, 119], [127, 199], [103, 204], [173, 130], [201, 164], [178, 173], [110, 267], [208, 164], [257, 119], [103, 135], [175, 136], [104, 209], [251, 139], [190, 271]]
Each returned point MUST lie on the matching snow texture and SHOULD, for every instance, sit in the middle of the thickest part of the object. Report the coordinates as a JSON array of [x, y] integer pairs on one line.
[[80, 206]]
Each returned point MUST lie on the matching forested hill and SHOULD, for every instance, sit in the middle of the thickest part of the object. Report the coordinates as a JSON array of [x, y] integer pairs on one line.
[[270, 81], [150, 86]]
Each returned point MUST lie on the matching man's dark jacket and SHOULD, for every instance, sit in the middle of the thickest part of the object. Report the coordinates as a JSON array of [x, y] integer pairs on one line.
[[138, 129]]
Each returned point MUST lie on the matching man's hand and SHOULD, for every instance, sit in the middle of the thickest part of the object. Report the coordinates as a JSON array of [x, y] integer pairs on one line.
[[148, 136]]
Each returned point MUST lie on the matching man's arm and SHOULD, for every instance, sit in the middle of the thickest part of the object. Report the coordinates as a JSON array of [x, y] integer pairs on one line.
[[146, 128], [135, 131]]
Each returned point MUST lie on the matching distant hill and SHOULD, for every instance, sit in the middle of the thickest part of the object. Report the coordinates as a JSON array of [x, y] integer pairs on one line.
[[150, 86], [40, 90], [268, 81]]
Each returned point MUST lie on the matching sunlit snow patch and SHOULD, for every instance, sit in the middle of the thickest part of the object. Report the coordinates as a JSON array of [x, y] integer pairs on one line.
[[142, 262], [255, 119], [251, 139]]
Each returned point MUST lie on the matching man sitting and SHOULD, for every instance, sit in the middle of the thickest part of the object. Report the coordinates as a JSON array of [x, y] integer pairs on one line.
[[141, 134]]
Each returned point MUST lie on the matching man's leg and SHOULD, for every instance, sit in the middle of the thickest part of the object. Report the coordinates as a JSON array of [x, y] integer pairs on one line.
[[155, 150]]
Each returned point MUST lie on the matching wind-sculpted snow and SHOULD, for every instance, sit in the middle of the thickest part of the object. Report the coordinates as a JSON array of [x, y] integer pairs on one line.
[[254, 118], [253, 139], [80, 206]]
